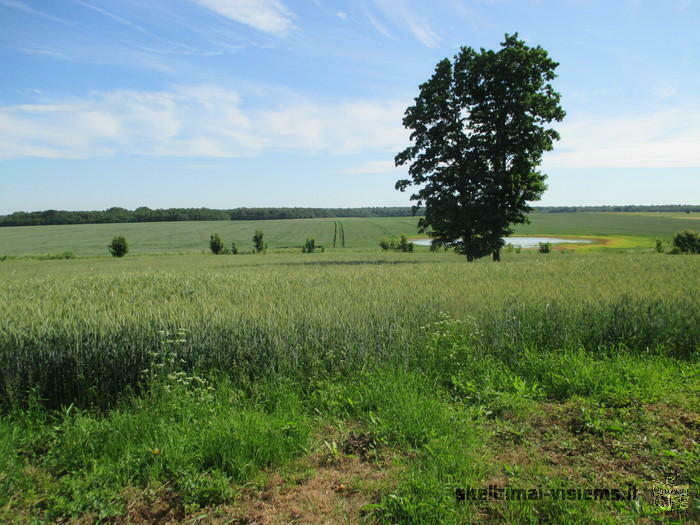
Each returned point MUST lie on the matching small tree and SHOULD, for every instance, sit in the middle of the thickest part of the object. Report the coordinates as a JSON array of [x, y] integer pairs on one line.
[[309, 246], [545, 247], [404, 245], [659, 246], [258, 242], [216, 245], [118, 247], [234, 248], [384, 244], [687, 241]]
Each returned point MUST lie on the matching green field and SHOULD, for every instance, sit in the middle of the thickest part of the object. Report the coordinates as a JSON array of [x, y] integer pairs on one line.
[[346, 386], [621, 230]]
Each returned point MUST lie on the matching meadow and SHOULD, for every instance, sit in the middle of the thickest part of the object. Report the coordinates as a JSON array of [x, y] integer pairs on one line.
[[345, 386], [621, 230]]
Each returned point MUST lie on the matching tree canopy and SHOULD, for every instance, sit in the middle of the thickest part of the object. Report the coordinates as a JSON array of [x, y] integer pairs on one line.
[[478, 133]]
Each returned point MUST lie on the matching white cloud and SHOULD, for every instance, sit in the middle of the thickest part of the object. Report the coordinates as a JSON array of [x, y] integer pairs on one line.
[[665, 139], [199, 121], [211, 121], [206, 121], [342, 128], [269, 16], [342, 14]]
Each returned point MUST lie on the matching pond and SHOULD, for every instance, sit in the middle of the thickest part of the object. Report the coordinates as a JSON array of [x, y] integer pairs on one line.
[[525, 242]]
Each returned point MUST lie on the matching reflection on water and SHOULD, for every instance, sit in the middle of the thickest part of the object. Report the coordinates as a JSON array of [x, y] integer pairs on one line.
[[525, 242]]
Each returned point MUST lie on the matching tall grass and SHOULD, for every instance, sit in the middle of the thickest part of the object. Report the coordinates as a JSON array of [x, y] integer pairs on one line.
[[83, 331]]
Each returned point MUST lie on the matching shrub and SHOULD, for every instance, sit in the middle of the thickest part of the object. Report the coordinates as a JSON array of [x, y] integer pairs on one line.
[[687, 241], [216, 245], [118, 247], [545, 247], [403, 245], [659, 246], [309, 246], [234, 249], [258, 243]]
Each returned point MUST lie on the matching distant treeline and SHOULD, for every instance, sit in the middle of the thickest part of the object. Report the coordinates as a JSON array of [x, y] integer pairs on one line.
[[144, 214], [683, 208]]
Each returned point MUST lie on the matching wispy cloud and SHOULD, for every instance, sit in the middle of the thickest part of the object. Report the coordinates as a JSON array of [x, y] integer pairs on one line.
[[665, 90], [399, 13], [36, 50], [205, 121], [381, 28], [16, 4], [269, 16], [132, 25]]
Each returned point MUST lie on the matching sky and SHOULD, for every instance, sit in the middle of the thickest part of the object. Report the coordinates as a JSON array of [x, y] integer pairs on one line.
[[232, 103]]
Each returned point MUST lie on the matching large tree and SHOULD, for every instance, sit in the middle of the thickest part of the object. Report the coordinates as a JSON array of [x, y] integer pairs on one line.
[[478, 132]]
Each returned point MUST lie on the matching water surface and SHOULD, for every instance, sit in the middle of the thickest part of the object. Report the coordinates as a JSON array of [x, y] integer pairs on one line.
[[525, 242]]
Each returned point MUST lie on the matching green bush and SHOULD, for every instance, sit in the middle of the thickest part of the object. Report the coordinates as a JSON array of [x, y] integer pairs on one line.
[[216, 245], [258, 242], [234, 249], [403, 245], [687, 241], [309, 246], [118, 247], [545, 247]]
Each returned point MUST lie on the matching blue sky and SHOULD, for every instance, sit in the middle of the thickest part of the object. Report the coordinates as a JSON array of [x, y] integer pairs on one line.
[[228, 103]]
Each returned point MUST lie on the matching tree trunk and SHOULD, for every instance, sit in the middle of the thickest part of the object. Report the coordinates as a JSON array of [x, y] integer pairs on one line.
[[497, 256], [470, 258]]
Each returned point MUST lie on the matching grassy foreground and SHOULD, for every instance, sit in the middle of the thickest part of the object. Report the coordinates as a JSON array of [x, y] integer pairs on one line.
[[342, 387]]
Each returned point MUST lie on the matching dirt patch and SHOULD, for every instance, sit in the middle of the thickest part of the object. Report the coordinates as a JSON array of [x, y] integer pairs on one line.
[[361, 444], [164, 507], [334, 493]]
